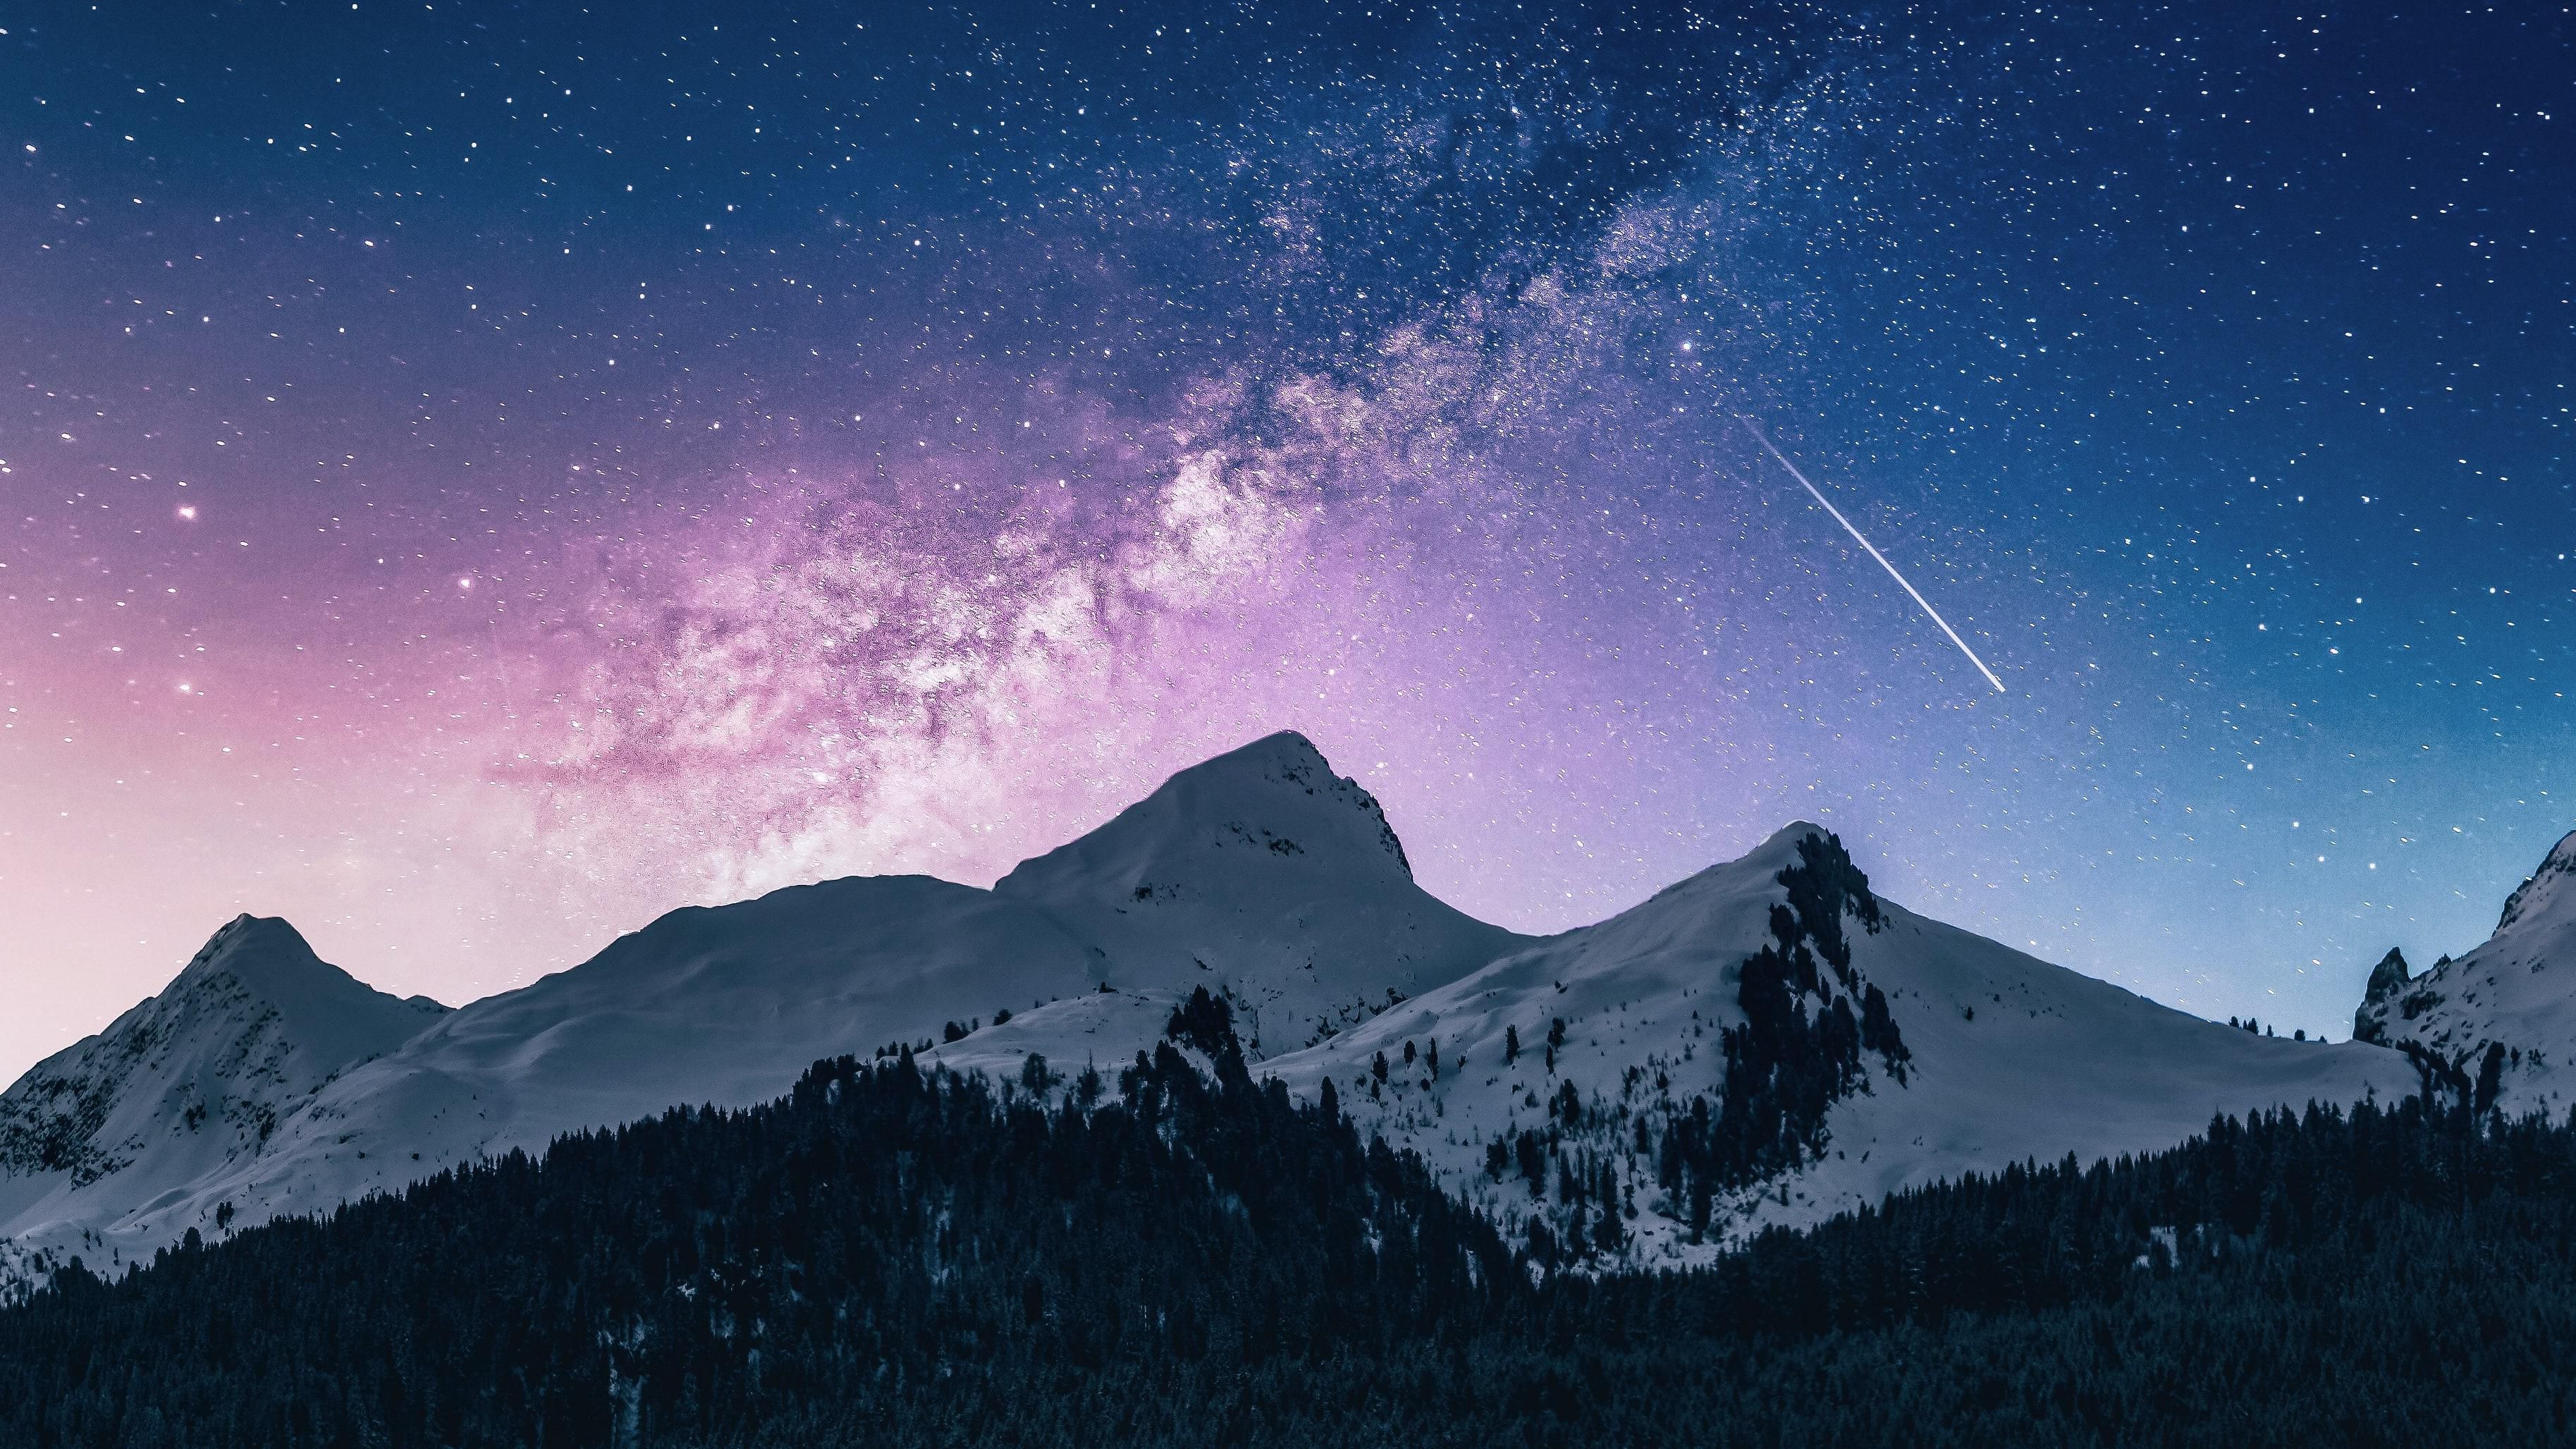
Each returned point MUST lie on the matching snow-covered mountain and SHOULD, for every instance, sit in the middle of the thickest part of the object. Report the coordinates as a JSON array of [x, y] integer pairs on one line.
[[1766, 1041], [2003, 1057], [193, 1080], [1999, 1057], [725, 1005], [2498, 1025], [1263, 875], [1259, 873]]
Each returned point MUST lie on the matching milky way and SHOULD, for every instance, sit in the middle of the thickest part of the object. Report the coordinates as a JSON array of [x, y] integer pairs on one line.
[[477, 477]]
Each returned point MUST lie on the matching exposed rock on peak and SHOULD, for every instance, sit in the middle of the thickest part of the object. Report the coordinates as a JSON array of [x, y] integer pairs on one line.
[[2387, 979], [1785, 1043]]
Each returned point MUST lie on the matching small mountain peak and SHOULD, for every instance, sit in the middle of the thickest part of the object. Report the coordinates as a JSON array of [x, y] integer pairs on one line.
[[1283, 755], [1264, 873], [1247, 772], [204, 1071], [255, 948], [268, 959], [223, 934], [245, 925], [1780, 850], [1277, 795], [2387, 978], [2545, 886], [1759, 870], [1287, 746], [1784, 841]]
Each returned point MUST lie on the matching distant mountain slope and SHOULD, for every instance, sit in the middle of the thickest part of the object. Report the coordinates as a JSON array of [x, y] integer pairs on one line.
[[725, 1005], [2498, 1025], [197, 1077]]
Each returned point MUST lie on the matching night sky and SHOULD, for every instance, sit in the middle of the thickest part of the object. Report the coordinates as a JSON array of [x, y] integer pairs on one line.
[[476, 476]]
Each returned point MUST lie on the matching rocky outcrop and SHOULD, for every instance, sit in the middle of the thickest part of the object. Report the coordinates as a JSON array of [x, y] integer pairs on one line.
[[2387, 979]]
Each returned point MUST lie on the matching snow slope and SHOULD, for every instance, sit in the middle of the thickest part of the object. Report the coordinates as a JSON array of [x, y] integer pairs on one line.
[[725, 1005], [196, 1078], [2517, 991], [2011, 1058]]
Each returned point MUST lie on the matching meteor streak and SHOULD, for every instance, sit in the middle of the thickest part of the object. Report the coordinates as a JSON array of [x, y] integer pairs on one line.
[[1756, 431]]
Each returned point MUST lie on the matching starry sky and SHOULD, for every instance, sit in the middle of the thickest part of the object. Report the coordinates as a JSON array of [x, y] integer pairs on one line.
[[476, 476]]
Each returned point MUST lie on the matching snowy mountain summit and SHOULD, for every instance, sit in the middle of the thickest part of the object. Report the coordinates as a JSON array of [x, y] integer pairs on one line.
[[1769, 1040], [1262, 875], [195, 1078], [2497, 1027]]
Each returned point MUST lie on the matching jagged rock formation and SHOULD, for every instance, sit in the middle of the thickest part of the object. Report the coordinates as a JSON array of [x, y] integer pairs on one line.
[[2387, 979]]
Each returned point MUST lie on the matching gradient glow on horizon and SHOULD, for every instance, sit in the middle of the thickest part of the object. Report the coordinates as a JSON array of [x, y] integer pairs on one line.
[[477, 480]]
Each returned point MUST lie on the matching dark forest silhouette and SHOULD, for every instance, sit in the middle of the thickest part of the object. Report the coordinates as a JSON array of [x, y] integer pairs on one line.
[[899, 1257]]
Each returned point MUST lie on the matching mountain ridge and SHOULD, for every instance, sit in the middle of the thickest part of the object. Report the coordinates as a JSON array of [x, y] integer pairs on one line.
[[2495, 1026], [1764, 1041]]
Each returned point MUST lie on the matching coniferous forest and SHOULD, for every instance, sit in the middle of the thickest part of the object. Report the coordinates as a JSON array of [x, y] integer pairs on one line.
[[888, 1256]]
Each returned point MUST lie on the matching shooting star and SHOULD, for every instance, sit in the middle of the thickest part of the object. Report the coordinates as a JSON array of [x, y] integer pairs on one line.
[[1756, 431]]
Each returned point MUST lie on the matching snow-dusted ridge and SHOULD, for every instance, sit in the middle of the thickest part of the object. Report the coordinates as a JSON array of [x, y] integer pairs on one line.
[[1260, 875], [2008, 1058], [2499, 1022]]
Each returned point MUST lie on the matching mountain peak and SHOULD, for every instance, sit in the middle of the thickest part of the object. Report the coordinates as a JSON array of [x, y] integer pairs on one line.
[[1263, 873], [2546, 887], [199, 1074], [1784, 841], [1277, 794], [1755, 869], [270, 959], [2505, 999], [265, 945], [2387, 977]]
